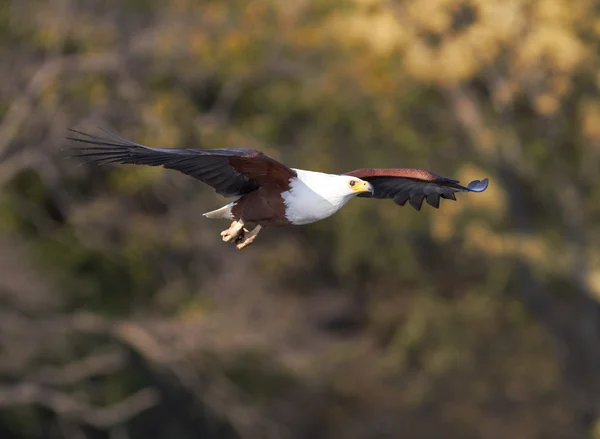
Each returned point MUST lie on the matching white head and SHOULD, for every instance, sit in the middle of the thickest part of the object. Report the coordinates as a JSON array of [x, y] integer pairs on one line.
[[314, 195], [334, 188], [347, 187]]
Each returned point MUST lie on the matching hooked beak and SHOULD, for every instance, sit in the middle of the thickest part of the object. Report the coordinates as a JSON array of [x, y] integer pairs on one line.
[[363, 186]]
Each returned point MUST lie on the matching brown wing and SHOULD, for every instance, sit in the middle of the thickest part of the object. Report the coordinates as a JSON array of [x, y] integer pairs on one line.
[[231, 172], [414, 186]]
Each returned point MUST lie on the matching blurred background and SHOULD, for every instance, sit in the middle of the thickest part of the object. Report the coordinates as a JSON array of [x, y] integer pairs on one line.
[[124, 316]]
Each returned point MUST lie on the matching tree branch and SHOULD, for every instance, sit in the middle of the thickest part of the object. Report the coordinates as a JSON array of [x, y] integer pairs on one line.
[[64, 405]]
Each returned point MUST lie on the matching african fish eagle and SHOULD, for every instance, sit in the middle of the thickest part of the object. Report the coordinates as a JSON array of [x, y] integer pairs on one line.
[[268, 192]]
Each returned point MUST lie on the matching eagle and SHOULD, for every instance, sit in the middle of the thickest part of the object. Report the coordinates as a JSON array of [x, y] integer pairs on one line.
[[269, 193]]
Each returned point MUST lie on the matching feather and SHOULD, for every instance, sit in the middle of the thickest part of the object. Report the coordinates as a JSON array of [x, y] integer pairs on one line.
[[414, 185], [231, 172]]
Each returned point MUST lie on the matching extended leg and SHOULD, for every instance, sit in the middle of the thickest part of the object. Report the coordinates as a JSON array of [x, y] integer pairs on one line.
[[231, 234], [249, 238]]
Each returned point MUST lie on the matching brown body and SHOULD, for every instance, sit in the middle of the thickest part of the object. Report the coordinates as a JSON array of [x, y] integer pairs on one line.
[[264, 207]]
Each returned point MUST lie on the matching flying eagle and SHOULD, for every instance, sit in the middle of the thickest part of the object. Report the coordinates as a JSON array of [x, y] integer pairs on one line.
[[268, 192]]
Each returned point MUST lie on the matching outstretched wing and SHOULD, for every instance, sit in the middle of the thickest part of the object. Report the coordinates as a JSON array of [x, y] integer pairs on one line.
[[414, 186], [231, 172]]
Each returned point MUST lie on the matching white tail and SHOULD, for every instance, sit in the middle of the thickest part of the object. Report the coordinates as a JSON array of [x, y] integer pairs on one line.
[[222, 213]]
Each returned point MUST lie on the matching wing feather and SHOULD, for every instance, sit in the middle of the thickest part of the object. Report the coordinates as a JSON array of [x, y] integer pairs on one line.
[[414, 186], [231, 172]]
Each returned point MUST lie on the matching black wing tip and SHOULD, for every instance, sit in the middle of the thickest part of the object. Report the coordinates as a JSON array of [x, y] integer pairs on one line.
[[86, 137], [478, 185], [433, 200], [416, 201], [449, 180], [81, 133]]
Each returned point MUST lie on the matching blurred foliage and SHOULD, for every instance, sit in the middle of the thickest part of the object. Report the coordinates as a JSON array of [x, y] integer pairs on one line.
[[478, 320]]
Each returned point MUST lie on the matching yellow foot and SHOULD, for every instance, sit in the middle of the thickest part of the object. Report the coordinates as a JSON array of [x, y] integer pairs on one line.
[[225, 232], [248, 238], [233, 232]]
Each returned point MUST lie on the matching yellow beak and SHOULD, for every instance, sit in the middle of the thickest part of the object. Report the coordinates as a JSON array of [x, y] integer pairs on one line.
[[362, 186]]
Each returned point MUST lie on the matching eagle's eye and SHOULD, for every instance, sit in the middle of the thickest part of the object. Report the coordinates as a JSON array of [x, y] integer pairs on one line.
[[352, 183]]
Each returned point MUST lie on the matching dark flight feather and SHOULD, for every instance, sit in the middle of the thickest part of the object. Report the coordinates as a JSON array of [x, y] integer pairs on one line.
[[230, 171], [414, 186]]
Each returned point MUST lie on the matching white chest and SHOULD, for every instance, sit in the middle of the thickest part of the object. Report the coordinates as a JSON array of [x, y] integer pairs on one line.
[[314, 196]]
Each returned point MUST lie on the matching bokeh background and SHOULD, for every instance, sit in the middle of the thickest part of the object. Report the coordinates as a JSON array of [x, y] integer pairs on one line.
[[124, 316]]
